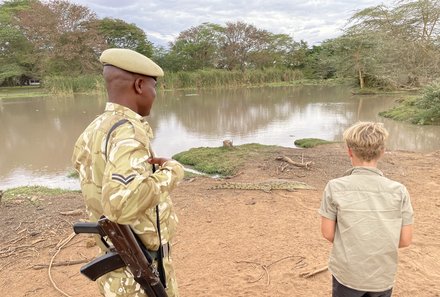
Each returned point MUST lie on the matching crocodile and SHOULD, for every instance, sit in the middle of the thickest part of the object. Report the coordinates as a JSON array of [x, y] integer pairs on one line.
[[265, 186]]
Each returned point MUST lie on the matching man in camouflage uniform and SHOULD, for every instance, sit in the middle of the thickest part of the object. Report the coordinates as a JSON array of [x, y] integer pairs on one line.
[[115, 167]]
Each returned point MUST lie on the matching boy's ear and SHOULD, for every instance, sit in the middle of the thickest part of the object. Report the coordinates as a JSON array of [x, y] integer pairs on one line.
[[350, 152]]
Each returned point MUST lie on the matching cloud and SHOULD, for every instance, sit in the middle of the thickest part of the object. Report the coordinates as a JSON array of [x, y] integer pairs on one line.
[[313, 21]]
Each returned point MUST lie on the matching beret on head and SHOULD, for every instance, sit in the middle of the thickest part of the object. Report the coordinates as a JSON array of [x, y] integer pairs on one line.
[[131, 61]]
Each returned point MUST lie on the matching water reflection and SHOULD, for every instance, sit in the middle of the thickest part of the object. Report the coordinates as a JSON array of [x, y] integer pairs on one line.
[[37, 135]]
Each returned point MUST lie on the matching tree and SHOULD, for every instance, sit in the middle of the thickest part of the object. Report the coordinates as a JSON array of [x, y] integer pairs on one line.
[[64, 36], [234, 46], [239, 42], [120, 34], [196, 48], [406, 41], [16, 59]]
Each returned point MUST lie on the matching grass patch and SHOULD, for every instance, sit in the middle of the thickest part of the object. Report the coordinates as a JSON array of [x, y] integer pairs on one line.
[[224, 161], [22, 92], [189, 175], [30, 191], [73, 174], [311, 142]]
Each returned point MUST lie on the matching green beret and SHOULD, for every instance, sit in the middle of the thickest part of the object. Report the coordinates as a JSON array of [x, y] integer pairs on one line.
[[131, 61]]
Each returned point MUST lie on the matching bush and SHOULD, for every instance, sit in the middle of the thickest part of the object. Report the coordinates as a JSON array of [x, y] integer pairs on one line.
[[424, 110], [429, 104]]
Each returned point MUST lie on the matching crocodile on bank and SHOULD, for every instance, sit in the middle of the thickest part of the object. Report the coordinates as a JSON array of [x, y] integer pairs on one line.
[[265, 186]]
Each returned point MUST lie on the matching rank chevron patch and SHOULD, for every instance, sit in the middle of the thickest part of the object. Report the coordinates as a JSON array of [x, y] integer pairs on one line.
[[123, 179]]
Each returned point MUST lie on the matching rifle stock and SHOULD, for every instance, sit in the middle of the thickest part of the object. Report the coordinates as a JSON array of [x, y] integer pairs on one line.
[[129, 251]]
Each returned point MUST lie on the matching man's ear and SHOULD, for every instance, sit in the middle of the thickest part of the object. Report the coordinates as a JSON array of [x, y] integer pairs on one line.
[[138, 85]]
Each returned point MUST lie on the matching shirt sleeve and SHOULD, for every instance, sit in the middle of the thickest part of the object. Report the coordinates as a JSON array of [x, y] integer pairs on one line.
[[328, 209], [129, 186], [407, 209]]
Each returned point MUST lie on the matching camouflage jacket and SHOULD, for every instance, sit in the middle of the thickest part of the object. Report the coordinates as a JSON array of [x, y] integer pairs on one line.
[[121, 185]]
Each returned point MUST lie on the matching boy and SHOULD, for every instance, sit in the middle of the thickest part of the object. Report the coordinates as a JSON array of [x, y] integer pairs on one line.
[[367, 217]]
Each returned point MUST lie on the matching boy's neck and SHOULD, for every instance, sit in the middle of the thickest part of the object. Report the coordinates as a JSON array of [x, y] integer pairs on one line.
[[357, 162]]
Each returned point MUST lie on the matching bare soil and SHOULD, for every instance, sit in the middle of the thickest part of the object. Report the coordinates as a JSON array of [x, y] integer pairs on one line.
[[229, 242]]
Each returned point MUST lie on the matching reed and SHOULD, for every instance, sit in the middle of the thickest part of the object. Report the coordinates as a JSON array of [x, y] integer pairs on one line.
[[207, 78], [78, 84], [216, 78]]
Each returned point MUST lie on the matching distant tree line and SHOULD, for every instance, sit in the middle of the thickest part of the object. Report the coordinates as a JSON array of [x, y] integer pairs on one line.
[[381, 47]]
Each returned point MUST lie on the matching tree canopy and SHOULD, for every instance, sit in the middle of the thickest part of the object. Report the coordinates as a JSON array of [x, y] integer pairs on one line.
[[381, 46]]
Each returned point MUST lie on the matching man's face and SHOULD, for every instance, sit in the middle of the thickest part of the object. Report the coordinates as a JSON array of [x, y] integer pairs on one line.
[[147, 95]]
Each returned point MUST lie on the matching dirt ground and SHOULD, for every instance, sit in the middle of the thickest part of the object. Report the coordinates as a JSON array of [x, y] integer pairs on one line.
[[229, 242]]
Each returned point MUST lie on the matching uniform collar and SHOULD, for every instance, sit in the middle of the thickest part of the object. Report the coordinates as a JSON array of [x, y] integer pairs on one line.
[[120, 109], [360, 170]]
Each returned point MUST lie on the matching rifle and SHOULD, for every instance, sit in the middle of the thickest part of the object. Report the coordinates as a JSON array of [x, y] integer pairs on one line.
[[126, 251]]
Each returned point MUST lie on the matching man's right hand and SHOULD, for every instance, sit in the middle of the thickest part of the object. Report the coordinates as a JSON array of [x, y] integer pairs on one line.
[[158, 161]]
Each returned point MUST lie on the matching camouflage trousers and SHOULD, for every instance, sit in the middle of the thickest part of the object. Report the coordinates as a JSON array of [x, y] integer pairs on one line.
[[120, 282]]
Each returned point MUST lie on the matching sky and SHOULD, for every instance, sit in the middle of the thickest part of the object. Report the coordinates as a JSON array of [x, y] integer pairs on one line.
[[162, 20]]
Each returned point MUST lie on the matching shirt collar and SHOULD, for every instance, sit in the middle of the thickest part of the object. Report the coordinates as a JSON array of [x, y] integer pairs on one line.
[[120, 109], [360, 170]]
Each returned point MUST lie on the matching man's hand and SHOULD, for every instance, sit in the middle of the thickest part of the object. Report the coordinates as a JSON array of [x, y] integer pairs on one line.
[[158, 161]]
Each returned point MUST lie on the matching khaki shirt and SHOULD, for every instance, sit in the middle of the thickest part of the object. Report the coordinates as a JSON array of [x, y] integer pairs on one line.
[[369, 210], [121, 185]]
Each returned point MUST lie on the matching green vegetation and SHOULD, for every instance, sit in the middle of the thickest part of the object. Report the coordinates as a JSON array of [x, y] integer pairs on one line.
[[224, 161], [385, 47], [78, 84], [32, 191], [311, 142], [22, 92], [73, 174], [215, 78], [189, 175], [423, 110]]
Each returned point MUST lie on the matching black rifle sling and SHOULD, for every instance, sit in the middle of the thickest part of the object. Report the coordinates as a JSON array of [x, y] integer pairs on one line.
[[113, 128], [161, 268]]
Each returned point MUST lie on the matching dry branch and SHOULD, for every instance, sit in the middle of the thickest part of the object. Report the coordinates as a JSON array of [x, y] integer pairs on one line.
[[71, 212], [64, 263], [290, 161], [314, 272]]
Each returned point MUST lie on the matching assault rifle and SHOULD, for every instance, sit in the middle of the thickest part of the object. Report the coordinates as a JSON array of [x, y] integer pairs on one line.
[[126, 251]]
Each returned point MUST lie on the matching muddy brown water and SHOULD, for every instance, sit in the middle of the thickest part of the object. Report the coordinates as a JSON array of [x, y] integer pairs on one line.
[[37, 134]]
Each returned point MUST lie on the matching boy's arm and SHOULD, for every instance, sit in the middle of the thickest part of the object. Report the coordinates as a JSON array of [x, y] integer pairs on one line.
[[405, 236], [406, 231], [328, 228]]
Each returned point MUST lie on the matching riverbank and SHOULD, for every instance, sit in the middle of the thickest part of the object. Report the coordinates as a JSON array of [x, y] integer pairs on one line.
[[190, 81], [230, 242], [423, 109], [22, 92]]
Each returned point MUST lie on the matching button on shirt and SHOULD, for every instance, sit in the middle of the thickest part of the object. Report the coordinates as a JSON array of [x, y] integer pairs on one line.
[[369, 210]]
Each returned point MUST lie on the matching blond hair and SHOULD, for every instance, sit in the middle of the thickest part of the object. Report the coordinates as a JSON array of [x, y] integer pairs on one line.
[[366, 140]]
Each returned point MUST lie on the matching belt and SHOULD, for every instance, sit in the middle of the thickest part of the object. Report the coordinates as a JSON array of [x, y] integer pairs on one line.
[[166, 249]]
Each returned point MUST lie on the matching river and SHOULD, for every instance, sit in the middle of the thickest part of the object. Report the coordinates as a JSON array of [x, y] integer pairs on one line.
[[37, 134]]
